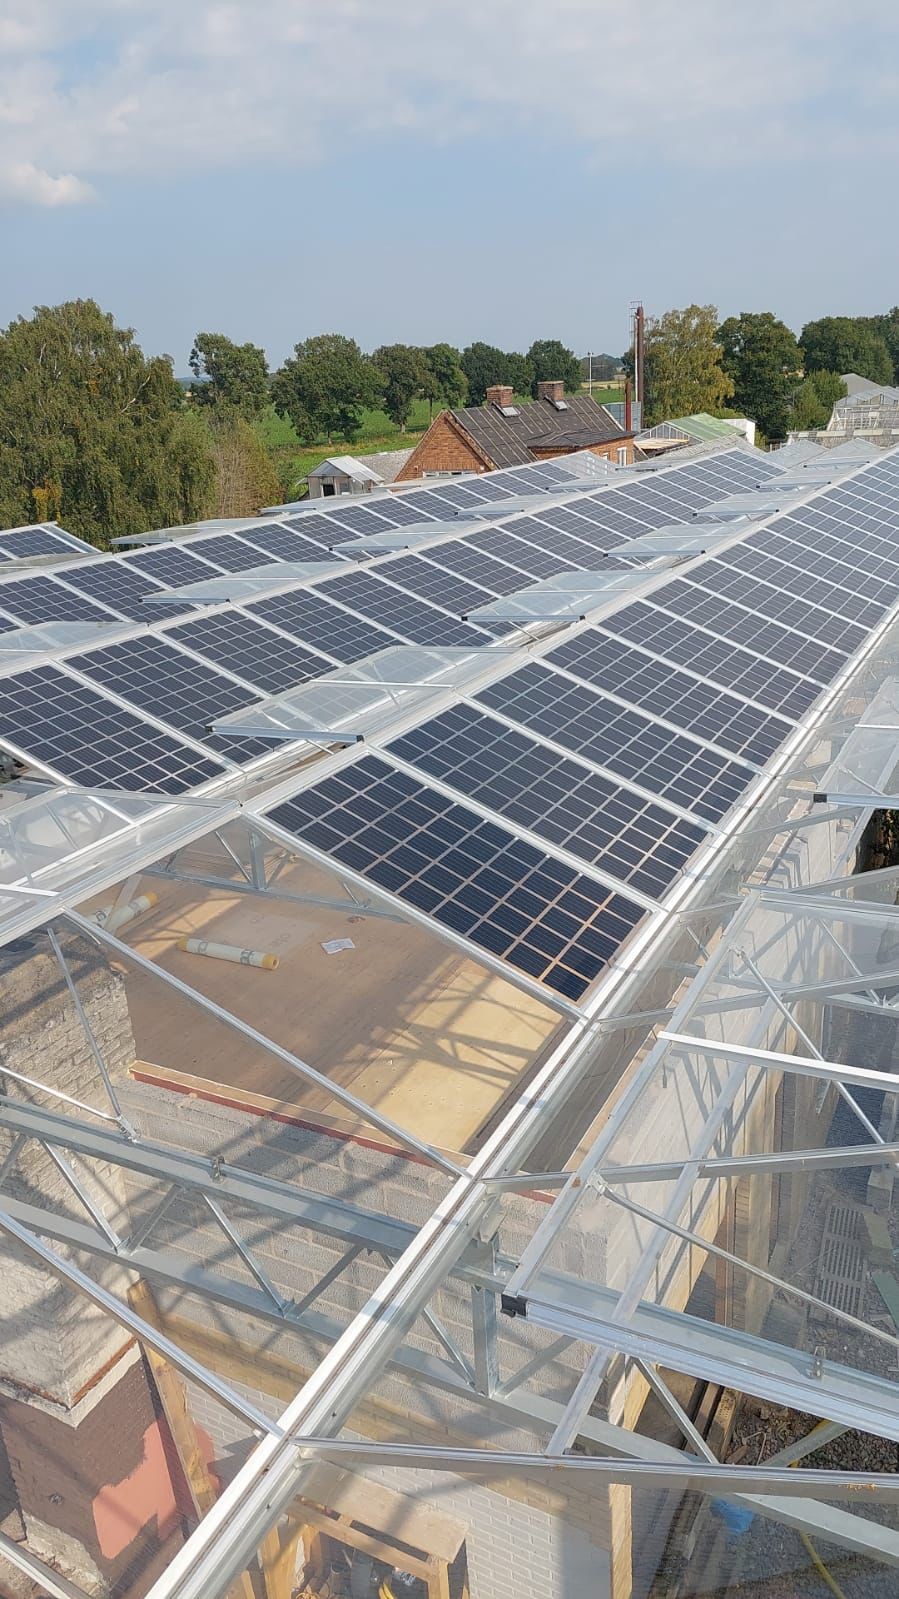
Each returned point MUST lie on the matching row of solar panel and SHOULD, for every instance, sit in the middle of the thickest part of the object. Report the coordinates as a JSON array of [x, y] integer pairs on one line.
[[532, 548], [375, 823], [137, 676], [148, 673]]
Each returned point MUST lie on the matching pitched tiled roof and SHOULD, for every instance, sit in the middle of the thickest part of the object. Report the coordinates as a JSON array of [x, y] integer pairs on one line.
[[506, 440]]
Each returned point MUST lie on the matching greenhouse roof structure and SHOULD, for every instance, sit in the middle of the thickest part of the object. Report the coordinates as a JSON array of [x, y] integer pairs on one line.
[[553, 826]]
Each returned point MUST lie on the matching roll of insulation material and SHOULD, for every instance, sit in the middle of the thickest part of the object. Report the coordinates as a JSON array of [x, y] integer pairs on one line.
[[113, 919], [229, 952]]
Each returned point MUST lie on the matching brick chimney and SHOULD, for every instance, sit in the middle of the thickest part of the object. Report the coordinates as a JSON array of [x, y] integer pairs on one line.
[[499, 394], [550, 389]]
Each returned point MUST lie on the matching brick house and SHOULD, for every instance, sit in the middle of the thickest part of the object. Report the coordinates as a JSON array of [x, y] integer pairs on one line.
[[480, 438]]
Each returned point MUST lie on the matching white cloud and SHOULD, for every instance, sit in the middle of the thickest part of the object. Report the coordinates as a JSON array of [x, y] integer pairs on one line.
[[164, 87], [22, 181]]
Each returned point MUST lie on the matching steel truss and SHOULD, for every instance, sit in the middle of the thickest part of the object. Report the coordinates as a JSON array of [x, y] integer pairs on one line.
[[460, 1239]]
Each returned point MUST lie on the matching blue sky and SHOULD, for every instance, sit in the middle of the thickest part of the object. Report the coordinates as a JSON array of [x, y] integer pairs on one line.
[[495, 169]]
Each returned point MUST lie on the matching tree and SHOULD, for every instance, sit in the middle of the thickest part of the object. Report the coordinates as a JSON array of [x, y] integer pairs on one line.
[[483, 365], [886, 327], [94, 432], [245, 476], [519, 373], [442, 377], [846, 344], [682, 365], [403, 375], [762, 359], [550, 359], [229, 374], [814, 400], [324, 386]]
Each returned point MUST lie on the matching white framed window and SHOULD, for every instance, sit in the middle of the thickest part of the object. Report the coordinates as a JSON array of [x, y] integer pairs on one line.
[[622, 455]]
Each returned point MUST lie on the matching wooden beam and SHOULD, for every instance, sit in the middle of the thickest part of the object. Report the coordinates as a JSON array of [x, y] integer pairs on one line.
[[278, 1555], [176, 1409]]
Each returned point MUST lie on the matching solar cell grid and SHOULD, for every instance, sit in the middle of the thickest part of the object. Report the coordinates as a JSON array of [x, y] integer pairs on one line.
[[739, 626], [121, 588], [321, 530], [640, 843], [554, 542], [285, 545], [232, 553], [429, 582], [397, 511], [152, 674], [670, 765], [360, 519], [532, 562], [461, 496], [89, 739], [251, 650], [708, 713], [33, 541], [319, 625], [804, 616], [814, 581], [42, 599], [687, 644], [413, 619], [170, 566], [460, 556], [472, 876]]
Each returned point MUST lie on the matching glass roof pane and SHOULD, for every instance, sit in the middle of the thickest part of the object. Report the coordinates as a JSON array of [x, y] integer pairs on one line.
[[248, 584]]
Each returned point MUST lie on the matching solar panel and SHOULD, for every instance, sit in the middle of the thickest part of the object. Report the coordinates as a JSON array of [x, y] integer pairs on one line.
[[251, 650], [428, 582], [471, 875], [474, 565], [307, 616], [42, 599], [531, 561], [725, 663], [410, 618], [708, 713], [86, 737], [170, 566], [640, 843], [669, 765], [33, 541], [152, 674], [233, 554], [286, 545], [731, 579], [739, 626], [117, 585]]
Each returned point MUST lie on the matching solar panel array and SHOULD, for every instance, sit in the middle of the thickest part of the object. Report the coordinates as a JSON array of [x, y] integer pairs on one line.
[[42, 540], [542, 817]]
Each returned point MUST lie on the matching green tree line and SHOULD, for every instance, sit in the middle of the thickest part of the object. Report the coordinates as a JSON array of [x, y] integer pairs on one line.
[[754, 365], [101, 436]]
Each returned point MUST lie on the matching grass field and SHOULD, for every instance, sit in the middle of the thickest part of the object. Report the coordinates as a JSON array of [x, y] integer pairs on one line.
[[294, 460]]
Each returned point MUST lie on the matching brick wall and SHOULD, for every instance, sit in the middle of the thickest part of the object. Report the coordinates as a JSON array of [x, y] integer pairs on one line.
[[85, 1457], [444, 448]]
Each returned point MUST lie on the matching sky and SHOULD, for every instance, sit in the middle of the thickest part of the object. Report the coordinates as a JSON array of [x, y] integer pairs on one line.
[[483, 169]]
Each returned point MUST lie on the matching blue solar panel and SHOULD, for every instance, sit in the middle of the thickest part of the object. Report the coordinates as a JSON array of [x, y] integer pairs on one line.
[[668, 764], [472, 876], [659, 688], [566, 804], [86, 737], [152, 674]]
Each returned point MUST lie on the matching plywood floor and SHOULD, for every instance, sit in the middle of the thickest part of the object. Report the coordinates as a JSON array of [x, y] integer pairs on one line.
[[427, 1037]]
